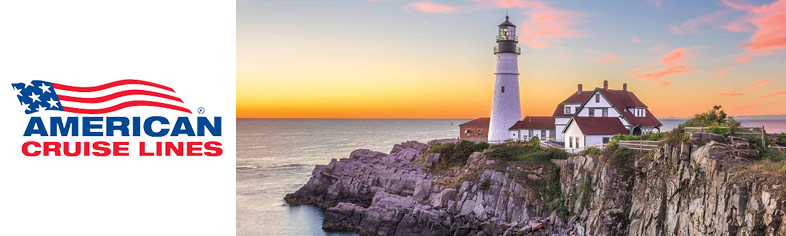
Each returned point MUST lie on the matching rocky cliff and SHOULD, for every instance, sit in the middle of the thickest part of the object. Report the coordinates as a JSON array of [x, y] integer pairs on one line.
[[703, 186]]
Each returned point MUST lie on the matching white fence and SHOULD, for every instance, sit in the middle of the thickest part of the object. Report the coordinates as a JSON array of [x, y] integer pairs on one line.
[[641, 145]]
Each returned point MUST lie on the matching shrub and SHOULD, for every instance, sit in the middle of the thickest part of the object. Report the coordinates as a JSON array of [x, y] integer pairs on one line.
[[590, 150], [781, 139], [456, 154], [654, 136], [773, 155], [534, 142], [782, 170], [510, 150], [540, 156], [712, 118]]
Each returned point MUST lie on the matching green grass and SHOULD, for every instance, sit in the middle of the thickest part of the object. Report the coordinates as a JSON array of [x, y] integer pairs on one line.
[[456, 154]]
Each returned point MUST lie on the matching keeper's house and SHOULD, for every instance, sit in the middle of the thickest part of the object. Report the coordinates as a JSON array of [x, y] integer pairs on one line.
[[604, 113]]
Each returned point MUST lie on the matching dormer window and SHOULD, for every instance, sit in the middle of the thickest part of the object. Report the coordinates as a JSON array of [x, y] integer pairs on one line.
[[639, 112], [567, 110]]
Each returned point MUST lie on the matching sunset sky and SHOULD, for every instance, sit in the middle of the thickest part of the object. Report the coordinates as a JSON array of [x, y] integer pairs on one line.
[[434, 59]]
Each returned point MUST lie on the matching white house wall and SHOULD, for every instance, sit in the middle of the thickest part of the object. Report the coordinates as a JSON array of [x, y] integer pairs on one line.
[[596, 139], [559, 136], [524, 134], [573, 131]]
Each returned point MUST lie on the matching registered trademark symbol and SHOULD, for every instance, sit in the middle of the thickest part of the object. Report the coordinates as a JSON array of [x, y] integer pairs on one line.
[[201, 110]]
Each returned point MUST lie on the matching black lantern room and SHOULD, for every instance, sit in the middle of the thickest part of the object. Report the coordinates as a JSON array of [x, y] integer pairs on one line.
[[507, 38]]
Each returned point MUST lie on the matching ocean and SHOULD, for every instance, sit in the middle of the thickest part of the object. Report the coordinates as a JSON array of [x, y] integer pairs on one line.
[[276, 156]]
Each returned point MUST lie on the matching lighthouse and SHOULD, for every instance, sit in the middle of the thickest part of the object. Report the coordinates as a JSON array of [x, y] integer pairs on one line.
[[506, 106]]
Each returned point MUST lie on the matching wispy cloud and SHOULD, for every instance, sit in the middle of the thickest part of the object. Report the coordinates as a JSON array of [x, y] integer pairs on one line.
[[672, 64], [635, 39], [656, 3], [545, 26], [605, 58], [773, 94], [722, 71], [731, 94], [758, 84], [770, 29], [691, 26], [431, 7]]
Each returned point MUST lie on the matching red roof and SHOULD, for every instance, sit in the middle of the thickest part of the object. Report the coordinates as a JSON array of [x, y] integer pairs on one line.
[[575, 98], [622, 99], [599, 125], [479, 122], [534, 122]]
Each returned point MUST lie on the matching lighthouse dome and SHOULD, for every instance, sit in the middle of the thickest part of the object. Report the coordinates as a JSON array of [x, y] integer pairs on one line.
[[506, 23]]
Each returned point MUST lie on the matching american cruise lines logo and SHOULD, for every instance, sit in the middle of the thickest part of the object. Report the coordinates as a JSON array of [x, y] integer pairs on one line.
[[94, 128]]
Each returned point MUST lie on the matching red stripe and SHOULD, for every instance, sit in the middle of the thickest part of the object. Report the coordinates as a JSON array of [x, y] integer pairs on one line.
[[108, 85], [124, 105], [117, 95]]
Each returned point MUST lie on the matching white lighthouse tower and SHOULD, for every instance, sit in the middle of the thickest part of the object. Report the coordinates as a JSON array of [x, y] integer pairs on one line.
[[506, 107]]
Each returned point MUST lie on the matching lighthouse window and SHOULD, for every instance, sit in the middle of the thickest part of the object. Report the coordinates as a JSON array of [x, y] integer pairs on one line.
[[503, 89]]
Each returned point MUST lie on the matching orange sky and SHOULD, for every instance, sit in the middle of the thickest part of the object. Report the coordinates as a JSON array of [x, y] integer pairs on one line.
[[410, 59]]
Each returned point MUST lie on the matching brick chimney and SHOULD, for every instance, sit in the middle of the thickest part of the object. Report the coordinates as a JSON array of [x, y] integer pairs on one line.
[[606, 85], [624, 86], [581, 88]]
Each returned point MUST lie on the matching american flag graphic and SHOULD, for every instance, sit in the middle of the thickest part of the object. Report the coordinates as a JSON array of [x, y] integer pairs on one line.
[[39, 95]]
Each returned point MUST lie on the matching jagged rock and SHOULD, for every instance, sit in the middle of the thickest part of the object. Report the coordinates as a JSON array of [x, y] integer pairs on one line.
[[696, 188], [704, 138]]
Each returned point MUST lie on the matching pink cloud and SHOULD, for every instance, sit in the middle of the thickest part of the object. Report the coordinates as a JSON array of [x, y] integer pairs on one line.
[[512, 3], [547, 26], [635, 39], [731, 94], [773, 94], [656, 3], [691, 25], [605, 58], [758, 84], [722, 70], [672, 64], [768, 20], [761, 82], [431, 7]]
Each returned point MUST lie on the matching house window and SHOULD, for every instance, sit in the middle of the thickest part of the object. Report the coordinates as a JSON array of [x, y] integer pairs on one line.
[[570, 142], [469, 133], [605, 140], [577, 142], [605, 112], [567, 110], [503, 89], [597, 98], [591, 112], [480, 132], [542, 133]]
